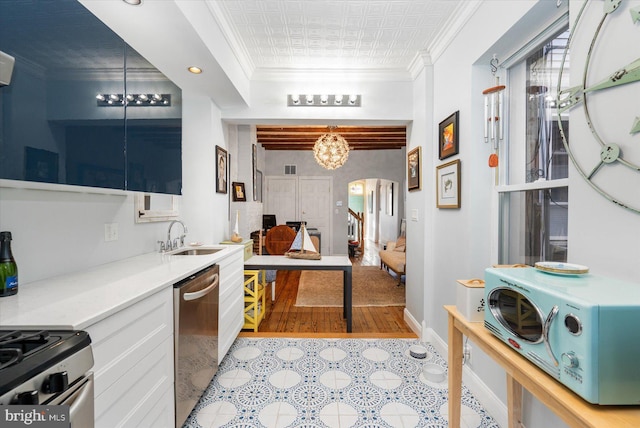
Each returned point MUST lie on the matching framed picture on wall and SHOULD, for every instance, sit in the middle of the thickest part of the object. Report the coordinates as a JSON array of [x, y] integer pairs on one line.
[[239, 194], [414, 169], [221, 170], [448, 140], [448, 185]]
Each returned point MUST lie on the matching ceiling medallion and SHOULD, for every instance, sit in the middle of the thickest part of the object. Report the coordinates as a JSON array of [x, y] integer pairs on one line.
[[331, 150]]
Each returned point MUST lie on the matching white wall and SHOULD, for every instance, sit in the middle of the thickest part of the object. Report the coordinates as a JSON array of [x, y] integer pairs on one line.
[[55, 232], [603, 235], [250, 211], [204, 211]]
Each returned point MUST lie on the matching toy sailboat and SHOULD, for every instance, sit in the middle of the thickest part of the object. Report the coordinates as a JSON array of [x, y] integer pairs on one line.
[[302, 246]]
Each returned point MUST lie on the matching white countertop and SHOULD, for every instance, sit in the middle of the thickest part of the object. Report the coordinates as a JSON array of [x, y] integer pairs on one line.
[[78, 300]]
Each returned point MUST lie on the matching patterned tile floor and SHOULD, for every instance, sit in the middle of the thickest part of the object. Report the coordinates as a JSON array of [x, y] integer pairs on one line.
[[335, 383]]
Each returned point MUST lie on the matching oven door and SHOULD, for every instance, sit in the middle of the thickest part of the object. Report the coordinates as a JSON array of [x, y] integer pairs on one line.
[[79, 398]]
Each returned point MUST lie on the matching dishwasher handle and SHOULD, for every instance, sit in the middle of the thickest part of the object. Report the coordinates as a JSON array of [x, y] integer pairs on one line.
[[201, 293]]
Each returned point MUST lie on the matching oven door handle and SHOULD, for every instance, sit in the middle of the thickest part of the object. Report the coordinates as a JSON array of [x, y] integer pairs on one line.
[[201, 293], [545, 332], [81, 406]]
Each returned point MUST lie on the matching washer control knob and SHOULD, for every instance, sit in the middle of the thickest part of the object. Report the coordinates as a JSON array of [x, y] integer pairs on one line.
[[570, 360]]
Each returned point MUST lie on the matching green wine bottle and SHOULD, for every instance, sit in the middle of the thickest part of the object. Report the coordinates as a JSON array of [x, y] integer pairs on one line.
[[8, 267]]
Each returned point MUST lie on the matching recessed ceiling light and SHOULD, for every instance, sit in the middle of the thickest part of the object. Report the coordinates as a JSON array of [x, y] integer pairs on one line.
[[133, 2], [195, 70]]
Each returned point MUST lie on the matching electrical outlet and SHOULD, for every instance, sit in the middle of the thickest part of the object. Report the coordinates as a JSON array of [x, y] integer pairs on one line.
[[466, 355], [110, 232]]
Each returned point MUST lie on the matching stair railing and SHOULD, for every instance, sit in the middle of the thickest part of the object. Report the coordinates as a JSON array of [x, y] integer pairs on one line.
[[356, 228]]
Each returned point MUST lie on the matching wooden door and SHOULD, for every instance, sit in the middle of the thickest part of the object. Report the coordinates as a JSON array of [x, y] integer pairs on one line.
[[315, 196], [282, 198]]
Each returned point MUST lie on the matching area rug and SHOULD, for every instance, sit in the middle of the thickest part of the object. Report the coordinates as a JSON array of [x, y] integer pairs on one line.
[[372, 286]]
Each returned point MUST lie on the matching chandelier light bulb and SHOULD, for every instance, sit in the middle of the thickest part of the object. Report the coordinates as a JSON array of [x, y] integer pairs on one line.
[[309, 99], [353, 99], [338, 99], [324, 99]]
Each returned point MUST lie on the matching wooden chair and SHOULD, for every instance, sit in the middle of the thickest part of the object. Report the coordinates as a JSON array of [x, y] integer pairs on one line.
[[277, 242]]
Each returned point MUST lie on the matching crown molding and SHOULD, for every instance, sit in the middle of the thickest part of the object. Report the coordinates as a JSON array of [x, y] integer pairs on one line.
[[228, 31], [324, 75], [419, 62], [452, 27]]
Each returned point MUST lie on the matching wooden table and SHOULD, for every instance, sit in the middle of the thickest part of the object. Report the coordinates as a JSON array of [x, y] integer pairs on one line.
[[325, 263], [521, 373]]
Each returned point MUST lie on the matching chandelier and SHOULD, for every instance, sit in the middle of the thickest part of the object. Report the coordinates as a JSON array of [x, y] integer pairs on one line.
[[331, 150]]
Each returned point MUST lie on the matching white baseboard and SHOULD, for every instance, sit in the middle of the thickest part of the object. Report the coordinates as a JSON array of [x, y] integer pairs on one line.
[[413, 324], [492, 404]]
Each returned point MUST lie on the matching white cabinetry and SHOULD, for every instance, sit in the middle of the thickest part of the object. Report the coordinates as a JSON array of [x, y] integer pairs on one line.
[[231, 309], [133, 352]]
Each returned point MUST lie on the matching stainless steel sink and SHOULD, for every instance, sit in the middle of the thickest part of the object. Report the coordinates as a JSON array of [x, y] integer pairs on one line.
[[195, 251]]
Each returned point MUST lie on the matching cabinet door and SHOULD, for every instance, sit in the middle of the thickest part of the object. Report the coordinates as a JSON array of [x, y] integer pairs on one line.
[[62, 115]]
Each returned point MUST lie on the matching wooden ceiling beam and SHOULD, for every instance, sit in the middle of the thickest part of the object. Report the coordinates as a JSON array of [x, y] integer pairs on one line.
[[276, 137]]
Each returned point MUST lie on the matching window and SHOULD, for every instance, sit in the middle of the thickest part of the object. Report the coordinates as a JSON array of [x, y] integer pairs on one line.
[[533, 192]]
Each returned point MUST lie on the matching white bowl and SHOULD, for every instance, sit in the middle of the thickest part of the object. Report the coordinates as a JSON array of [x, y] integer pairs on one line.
[[434, 373], [418, 351]]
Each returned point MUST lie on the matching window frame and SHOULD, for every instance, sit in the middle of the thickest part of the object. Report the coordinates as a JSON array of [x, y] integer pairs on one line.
[[504, 189]]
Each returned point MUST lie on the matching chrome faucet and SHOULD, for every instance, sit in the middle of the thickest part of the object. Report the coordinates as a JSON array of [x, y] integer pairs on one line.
[[177, 242]]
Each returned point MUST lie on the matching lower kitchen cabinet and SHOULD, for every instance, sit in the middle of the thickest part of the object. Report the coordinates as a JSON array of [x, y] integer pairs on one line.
[[231, 301], [133, 350], [133, 353]]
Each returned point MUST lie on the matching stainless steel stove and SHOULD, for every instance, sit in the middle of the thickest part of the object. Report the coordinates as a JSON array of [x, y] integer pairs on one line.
[[48, 367]]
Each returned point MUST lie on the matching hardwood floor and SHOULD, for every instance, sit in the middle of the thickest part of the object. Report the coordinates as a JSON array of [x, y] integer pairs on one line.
[[284, 318]]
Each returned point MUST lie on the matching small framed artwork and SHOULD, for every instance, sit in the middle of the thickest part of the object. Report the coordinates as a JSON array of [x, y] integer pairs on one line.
[[221, 170], [238, 192], [448, 185], [448, 143], [414, 169]]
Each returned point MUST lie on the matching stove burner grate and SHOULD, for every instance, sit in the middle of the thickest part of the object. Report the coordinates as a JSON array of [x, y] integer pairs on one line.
[[16, 345]]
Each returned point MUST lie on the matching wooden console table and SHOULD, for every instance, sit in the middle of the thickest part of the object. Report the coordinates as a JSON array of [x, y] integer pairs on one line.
[[521, 373], [325, 263]]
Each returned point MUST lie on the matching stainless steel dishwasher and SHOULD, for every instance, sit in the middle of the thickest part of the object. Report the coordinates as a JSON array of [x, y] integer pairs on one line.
[[195, 311]]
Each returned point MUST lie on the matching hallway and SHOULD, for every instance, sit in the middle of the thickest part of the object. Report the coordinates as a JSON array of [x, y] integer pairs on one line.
[[283, 316]]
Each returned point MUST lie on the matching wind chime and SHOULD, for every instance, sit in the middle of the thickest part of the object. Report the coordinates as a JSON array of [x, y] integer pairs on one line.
[[493, 113]]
